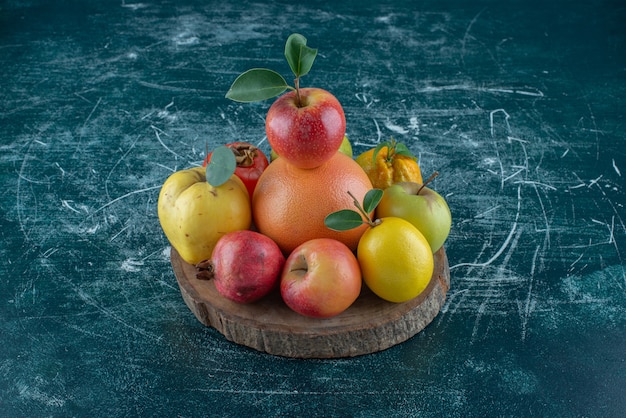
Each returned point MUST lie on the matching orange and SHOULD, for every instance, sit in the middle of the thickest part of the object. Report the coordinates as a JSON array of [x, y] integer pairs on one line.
[[390, 165], [289, 203]]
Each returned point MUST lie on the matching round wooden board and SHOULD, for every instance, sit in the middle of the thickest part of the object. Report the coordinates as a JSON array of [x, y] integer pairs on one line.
[[269, 325]]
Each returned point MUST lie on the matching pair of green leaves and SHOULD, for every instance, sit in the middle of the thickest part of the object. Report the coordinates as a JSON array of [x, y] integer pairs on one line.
[[255, 85], [260, 84], [346, 219]]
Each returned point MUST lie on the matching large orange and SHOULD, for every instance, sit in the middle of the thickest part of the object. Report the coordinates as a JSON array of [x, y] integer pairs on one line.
[[289, 203]]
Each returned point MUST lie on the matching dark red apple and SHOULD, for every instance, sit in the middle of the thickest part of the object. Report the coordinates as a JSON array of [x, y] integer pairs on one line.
[[306, 128]]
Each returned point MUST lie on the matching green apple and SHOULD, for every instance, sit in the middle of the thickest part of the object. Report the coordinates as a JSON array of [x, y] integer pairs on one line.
[[345, 148], [426, 209]]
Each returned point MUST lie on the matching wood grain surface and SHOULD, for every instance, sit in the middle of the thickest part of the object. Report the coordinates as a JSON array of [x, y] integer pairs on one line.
[[371, 324]]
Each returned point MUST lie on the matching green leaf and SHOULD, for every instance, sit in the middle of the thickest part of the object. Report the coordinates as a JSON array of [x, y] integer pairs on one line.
[[343, 220], [299, 56], [402, 149], [377, 150], [221, 167], [256, 85], [395, 148], [371, 200]]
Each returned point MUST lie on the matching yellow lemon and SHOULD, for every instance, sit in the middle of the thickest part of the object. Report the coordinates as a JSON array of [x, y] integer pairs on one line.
[[396, 260]]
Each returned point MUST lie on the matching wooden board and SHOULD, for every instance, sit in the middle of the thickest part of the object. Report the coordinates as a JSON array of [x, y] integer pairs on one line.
[[369, 325]]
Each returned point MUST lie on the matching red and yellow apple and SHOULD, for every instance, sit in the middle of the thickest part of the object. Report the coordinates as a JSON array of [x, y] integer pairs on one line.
[[321, 278], [306, 126], [426, 209]]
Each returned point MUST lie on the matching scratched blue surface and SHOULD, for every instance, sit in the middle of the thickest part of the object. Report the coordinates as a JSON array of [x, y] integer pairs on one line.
[[519, 105]]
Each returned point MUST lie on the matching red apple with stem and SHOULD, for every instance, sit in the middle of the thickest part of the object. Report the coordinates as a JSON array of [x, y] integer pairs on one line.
[[305, 126], [321, 278]]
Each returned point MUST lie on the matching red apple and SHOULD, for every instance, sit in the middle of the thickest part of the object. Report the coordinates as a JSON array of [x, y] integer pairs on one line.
[[306, 131], [245, 266], [321, 278]]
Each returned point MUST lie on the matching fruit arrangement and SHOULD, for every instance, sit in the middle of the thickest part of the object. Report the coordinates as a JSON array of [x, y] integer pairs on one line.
[[314, 223]]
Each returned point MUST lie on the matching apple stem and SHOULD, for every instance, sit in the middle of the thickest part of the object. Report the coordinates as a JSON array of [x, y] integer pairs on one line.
[[296, 82], [428, 180]]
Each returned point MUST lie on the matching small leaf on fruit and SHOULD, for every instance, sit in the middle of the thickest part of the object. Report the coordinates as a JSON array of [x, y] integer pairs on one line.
[[377, 150], [402, 149], [221, 167], [299, 56], [393, 148], [371, 200], [343, 220], [256, 85]]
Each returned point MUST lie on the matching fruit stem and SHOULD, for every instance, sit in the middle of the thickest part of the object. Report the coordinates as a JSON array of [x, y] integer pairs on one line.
[[296, 82], [205, 270], [391, 150], [368, 219], [428, 180], [244, 154]]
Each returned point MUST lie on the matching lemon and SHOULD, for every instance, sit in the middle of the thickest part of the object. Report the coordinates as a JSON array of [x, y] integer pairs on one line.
[[396, 260]]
